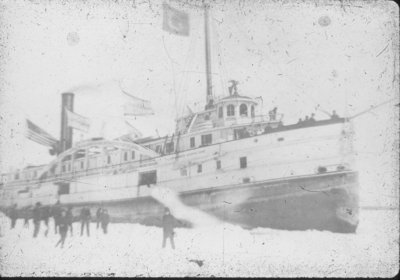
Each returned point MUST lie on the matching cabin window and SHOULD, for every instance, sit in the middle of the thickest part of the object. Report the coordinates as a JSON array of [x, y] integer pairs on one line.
[[158, 148], [199, 168], [243, 110], [221, 112], [125, 156], [81, 164], [16, 176], [34, 174], [206, 139], [148, 178], [169, 148], [230, 110], [108, 159], [252, 111], [218, 164], [64, 168], [133, 155], [192, 142], [243, 162], [183, 171], [207, 117]]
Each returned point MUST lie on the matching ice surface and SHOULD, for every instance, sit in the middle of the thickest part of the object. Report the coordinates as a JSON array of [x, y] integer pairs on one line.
[[219, 250]]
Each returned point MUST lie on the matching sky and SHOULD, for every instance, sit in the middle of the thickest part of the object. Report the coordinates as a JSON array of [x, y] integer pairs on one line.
[[302, 56]]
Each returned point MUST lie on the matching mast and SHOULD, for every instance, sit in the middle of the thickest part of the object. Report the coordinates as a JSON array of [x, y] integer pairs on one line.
[[209, 100], [67, 102]]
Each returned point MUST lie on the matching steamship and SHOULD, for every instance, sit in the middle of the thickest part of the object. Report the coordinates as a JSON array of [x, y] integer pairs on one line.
[[230, 160]]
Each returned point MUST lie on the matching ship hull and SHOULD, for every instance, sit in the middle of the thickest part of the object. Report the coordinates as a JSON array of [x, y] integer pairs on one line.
[[321, 202]]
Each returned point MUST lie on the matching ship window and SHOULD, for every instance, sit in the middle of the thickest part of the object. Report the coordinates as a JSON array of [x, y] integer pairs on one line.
[[125, 156], [169, 147], [221, 112], [183, 171], [16, 177], [192, 142], [243, 110], [133, 155], [108, 159], [206, 139], [148, 178], [243, 162], [230, 110], [218, 164], [252, 111], [199, 168]]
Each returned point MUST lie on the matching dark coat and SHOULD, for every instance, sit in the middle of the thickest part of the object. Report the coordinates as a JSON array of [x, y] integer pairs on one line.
[[63, 224], [69, 216], [45, 213], [105, 218], [168, 223], [36, 214], [13, 213], [85, 214], [98, 213], [56, 211]]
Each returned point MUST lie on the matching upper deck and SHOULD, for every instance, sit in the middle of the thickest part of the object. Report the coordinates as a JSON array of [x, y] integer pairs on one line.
[[94, 156]]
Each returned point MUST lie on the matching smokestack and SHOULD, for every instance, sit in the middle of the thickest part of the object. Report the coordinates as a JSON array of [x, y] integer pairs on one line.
[[67, 102]]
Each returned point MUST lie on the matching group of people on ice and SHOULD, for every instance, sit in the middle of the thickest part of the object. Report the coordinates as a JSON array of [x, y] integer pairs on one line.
[[64, 219]]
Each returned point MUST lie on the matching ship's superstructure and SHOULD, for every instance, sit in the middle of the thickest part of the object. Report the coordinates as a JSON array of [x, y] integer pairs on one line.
[[230, 160]]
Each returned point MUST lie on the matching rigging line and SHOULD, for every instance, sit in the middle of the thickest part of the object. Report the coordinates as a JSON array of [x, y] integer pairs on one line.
[[222, 76], [372, 108], [288, 77], [185, 78], [195, 46], [173, 73]]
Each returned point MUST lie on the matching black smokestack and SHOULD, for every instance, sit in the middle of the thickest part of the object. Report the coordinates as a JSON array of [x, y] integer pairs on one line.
[[67, 102]]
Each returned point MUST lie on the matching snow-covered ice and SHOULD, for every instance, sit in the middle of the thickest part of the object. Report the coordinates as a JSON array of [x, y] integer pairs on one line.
[[219, 250]]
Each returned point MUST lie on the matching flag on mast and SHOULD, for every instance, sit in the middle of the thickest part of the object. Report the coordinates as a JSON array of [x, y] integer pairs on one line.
[[175, 21], [38, 135], [77, 121]]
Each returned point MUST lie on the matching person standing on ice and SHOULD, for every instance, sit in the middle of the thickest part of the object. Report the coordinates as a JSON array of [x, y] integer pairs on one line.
[[13, 215], [105, 220], [56, 215], [62, 228], [85, 220], [168, 228], [45, 213], [26, 217], [36, 216], [70, 219], [98, 217]]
